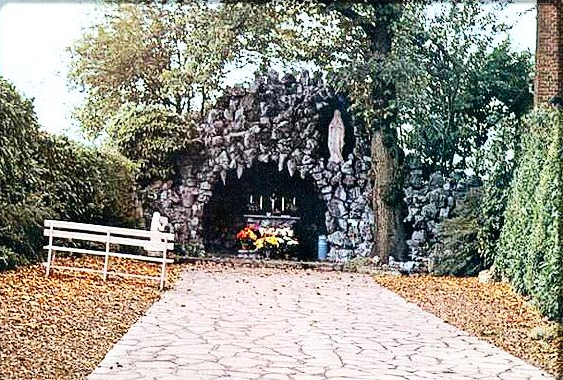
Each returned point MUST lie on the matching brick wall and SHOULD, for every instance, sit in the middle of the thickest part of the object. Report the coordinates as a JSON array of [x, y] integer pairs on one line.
[[549, 51]]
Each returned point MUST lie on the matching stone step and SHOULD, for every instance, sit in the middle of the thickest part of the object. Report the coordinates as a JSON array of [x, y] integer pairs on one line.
[[233, 261]]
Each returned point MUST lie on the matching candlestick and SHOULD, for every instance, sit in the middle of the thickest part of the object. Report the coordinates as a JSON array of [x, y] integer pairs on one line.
[[273, 205]]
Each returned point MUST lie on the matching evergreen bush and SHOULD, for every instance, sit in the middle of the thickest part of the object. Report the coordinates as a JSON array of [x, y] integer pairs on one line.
[[529, 252], [456, 252], [86, 184], [497, 163], [44, 176], [21, 206]]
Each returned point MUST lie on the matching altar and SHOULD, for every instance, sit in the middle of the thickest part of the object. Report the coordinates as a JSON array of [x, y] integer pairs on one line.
[[265, 214], [271, 220]]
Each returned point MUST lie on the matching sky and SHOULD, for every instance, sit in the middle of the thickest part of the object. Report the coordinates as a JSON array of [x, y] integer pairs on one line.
[[35, 36]]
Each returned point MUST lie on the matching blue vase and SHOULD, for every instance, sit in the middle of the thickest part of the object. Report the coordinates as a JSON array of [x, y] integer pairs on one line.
[[322, 250]]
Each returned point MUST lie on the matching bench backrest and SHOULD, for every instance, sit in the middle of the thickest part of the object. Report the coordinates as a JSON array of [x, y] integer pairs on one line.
[[149, 240]]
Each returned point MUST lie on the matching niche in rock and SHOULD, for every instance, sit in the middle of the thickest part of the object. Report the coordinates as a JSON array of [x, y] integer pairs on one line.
[[224, 214], [325, 117]]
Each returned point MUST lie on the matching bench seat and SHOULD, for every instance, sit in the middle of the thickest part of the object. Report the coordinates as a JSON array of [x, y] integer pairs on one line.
[[110, 254]]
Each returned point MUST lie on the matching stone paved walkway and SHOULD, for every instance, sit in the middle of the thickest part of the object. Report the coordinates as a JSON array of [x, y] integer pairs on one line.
[[271, 324]]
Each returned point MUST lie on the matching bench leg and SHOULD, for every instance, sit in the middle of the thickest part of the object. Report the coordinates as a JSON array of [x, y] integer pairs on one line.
[[48, 266], [106, 260], [106, 264], [162, 275], [51, 255]]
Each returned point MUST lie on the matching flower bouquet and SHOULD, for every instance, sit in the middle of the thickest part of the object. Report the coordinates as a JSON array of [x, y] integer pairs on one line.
[[272, 242], [247, 236]]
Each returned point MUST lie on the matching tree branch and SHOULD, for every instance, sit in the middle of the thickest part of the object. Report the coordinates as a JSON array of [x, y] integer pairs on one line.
[[377, 33]]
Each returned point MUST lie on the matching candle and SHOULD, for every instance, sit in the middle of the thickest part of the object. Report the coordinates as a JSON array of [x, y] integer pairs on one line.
[[260, 203], [293, 201], [251, 199], [273, 205], [283, 204]]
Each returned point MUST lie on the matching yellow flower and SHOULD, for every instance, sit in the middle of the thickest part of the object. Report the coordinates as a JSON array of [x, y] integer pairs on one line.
[[259, 243], [272, 240]]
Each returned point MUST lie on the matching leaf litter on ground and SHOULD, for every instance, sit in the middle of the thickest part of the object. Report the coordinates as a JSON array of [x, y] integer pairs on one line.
[[62, 326]]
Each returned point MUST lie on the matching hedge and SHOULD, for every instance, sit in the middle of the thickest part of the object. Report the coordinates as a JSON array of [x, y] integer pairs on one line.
[[45, 176], [85, 184], [529, 252]]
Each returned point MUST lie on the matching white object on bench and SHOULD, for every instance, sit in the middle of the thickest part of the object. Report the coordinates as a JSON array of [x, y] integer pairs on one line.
[[158, 223], [153, 241]]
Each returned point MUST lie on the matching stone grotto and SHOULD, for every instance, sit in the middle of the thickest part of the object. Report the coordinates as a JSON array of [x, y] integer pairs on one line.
[[278, 135], [294, 137]]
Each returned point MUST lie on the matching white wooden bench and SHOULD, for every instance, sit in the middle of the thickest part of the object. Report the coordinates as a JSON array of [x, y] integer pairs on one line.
[[110, 237]]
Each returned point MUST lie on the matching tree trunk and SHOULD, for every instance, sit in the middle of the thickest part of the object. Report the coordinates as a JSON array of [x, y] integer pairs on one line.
[[386, 201], [388, 234]]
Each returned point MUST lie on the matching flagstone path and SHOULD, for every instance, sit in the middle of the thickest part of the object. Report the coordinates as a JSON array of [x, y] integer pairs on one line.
[[297, 325]]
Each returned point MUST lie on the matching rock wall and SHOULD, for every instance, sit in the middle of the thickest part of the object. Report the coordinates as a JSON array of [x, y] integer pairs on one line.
[[429, 200], [276, 120]]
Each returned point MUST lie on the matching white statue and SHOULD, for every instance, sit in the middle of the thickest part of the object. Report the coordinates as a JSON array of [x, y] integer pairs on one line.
[[336, 137], [158, 224]]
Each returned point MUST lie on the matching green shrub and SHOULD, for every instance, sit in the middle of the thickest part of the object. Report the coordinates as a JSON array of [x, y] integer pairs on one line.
[[85, 184], [21, 206], [9, 259], [153, 138], [529, 252], [44, 176], [456, 252], [19, 133], [497, 164], [467, 242]]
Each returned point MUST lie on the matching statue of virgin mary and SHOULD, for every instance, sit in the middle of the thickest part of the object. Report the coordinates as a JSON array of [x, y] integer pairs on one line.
[[336, 137]]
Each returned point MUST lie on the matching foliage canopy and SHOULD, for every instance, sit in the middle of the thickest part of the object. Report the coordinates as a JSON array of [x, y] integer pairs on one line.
[[455, 83], [446, 69]]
